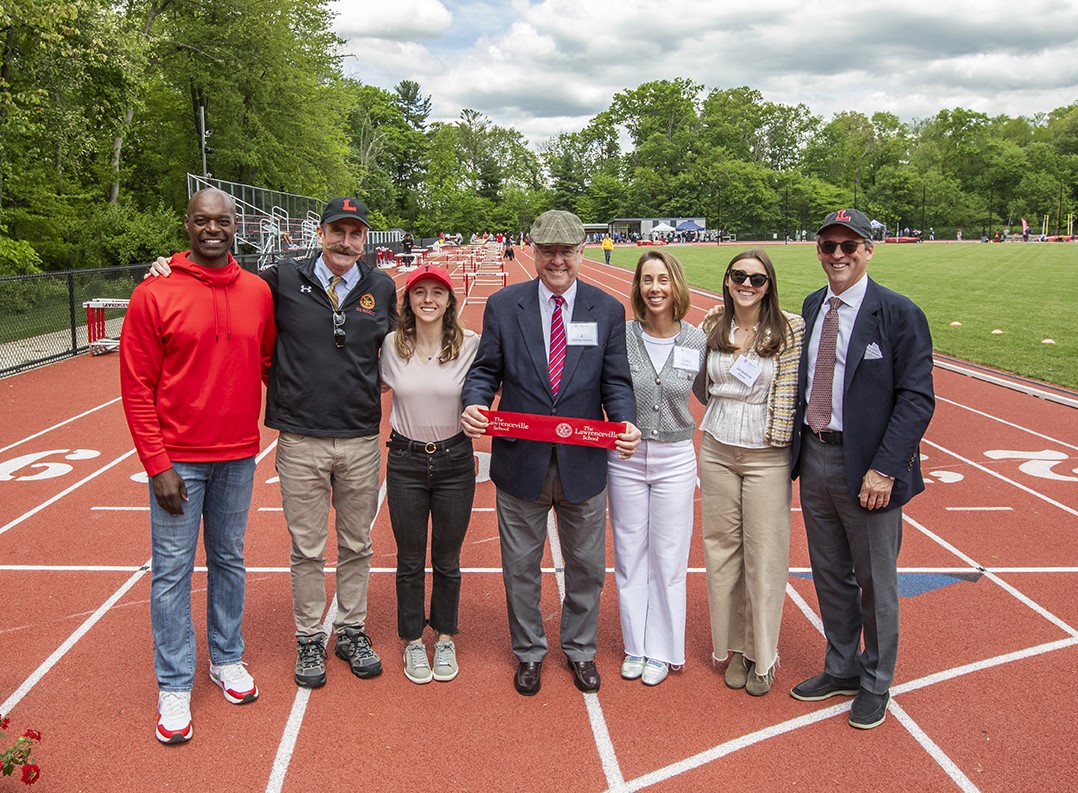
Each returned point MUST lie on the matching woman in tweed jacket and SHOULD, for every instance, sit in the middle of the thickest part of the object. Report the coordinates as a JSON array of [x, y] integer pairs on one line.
[[749, 385], [651, 494]]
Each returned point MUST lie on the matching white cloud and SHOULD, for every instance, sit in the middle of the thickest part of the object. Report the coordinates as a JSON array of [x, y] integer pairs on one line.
[[400, 20], [549, 66]]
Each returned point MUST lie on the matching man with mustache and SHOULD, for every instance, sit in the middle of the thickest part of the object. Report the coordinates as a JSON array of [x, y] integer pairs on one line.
[[332, 311]]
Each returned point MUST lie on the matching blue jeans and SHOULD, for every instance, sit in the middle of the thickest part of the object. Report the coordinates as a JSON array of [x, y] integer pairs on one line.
[[219, 496], [439, 487]]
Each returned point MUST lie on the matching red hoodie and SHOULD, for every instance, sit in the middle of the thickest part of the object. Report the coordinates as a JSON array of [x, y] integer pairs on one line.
[[194, 351]]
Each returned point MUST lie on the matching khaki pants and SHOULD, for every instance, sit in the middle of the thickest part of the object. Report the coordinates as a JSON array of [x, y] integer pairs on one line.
[[746, 528], [314, 472]]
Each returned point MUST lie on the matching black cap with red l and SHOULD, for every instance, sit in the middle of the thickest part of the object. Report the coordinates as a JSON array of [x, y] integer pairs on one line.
[[341, 208], [853, 219]]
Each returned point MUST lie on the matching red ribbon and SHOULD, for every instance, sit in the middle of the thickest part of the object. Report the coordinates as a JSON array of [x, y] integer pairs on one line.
[[554, 429]]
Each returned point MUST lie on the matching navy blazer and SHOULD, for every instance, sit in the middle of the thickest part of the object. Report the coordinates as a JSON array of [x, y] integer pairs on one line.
[[512, 356], [888, 401]]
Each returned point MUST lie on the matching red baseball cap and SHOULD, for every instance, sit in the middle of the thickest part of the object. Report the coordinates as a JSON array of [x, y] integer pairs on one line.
[[431, 271]]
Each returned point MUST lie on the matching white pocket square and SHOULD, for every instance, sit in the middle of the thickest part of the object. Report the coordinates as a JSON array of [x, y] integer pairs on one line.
[[872, 352]]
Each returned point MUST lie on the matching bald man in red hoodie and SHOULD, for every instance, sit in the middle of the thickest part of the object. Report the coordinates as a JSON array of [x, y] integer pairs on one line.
[[194, 353]]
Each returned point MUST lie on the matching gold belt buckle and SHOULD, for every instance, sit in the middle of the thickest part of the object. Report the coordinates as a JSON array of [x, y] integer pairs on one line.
[[431, 447]]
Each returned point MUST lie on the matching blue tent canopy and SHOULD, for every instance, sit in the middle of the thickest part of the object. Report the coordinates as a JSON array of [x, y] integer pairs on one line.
[[689, 225]]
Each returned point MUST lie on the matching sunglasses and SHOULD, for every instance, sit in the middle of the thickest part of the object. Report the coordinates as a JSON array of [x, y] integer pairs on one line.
[[739, 276], [849, 247], [338, 329]]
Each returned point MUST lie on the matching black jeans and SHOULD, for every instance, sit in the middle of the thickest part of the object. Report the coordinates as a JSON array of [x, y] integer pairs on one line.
[[438, 485]]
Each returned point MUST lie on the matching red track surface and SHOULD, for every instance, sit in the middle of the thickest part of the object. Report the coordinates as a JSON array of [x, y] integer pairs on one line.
[[984, 695]]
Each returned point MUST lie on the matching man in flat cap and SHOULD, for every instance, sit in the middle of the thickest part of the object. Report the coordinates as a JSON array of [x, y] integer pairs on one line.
[[554, 346], [866, 398]]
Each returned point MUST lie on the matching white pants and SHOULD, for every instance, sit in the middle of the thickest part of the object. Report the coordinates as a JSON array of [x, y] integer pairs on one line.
[[651, 512]]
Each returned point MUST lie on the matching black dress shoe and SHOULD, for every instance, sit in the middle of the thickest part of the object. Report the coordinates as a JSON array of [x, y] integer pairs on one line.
[[528, 679], [585, 675]]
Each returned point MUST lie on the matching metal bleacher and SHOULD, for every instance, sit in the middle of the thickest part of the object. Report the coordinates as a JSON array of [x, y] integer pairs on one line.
[[268, 222]]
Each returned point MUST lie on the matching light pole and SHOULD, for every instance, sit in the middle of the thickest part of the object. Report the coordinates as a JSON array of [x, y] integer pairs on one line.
[[203, 133], [718, 214]]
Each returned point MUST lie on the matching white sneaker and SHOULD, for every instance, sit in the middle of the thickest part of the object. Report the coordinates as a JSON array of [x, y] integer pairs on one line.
[[416, 665], [654, 672], [238, 685], [632, 667], [445, 661], [174, 717]]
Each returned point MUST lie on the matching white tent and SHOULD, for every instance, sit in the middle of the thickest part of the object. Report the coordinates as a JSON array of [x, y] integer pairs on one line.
[[662, 227]]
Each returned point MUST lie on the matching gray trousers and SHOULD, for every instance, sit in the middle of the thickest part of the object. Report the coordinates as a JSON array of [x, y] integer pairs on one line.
[[522, 529], [854, 556]]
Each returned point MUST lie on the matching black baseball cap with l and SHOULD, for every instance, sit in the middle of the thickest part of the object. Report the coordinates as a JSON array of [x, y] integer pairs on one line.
[[341, 208], [853, 219]]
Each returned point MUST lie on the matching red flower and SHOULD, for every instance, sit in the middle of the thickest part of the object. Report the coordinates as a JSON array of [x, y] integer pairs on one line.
[[32, 734], [4, 722], [30, 774]]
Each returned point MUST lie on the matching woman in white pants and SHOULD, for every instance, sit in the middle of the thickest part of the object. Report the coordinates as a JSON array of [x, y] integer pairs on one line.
[[651, 494]]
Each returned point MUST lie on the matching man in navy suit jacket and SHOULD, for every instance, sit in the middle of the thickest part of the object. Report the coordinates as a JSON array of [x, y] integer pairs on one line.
[[534, 476], [865, 386]]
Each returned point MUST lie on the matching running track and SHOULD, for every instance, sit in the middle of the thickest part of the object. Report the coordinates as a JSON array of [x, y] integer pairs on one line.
[[983, 700]]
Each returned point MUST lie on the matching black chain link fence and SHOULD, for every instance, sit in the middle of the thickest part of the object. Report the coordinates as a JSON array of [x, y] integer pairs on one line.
[[42, 317]]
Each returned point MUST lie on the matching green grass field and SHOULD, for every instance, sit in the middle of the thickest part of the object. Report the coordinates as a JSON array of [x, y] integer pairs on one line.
[[1027, 290]]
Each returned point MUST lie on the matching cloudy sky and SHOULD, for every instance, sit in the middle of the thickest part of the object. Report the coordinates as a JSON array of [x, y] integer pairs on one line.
[[548, 66]]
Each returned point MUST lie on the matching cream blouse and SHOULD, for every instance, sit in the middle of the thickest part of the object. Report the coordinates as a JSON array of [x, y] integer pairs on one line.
[[736, 413]]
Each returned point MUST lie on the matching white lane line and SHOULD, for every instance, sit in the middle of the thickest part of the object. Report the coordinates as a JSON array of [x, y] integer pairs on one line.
[[946, 763], [330, 570], [119, 509], [70, 568], [1000, 476], [63, 493], [292, 727], [1052, 618], [59, 424], [931, 747], [729, 747], [1022, 388], [271, 509], [61, 651], [483, 509], [607, 756], [295, 720], [979, 509], [1004, 421], [983, 664]]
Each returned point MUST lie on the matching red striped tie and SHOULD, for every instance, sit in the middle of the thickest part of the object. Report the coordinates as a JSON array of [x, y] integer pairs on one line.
[[557, 344]]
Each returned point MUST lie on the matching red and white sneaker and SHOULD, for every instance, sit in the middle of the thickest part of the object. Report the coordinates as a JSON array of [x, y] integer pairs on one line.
[[239, 687], [174, 717]]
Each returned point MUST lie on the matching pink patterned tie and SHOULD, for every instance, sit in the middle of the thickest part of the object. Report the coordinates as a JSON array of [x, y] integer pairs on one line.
[[818, 413], [557, 344]]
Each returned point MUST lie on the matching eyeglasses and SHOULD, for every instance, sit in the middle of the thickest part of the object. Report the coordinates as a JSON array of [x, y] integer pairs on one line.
[[338, 329], [849, 247], [549, 253], [739, 276]]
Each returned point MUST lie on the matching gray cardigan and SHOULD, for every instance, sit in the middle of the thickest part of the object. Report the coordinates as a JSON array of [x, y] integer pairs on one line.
[[662, 398]]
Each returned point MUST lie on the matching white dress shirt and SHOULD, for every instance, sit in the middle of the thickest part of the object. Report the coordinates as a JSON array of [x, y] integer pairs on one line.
[[546, 309]]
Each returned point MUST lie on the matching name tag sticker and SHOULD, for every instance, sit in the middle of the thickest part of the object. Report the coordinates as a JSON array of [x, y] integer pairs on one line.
[[584, 334], [746, 370], [686, 358]]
